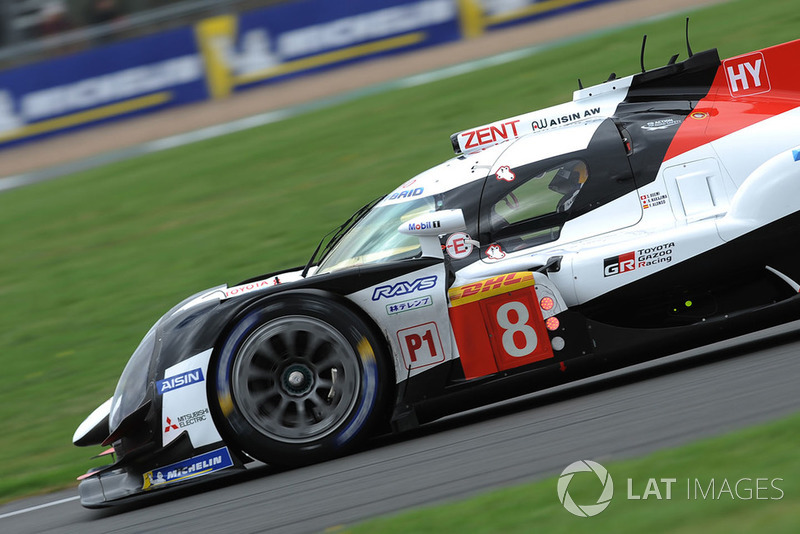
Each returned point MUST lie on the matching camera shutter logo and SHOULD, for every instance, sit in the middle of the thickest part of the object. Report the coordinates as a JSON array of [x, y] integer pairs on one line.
[[585, 510]]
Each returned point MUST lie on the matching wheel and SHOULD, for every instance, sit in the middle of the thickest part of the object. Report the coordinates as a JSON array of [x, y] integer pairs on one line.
[[300, 380]]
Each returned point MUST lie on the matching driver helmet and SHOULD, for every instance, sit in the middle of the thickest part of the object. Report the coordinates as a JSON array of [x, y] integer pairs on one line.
[[569, 178]]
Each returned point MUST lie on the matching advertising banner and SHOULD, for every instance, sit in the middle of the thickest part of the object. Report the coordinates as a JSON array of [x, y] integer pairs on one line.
[[225, 54], [310, 35], [102, 84]]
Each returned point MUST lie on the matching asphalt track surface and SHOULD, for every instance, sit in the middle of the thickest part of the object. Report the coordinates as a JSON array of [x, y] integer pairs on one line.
[[628, 413]]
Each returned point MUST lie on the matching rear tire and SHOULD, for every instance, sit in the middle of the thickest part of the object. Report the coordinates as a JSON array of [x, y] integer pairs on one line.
[[300, 380]]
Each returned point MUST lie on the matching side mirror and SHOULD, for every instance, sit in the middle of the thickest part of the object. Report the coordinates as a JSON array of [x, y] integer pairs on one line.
[[430, 226]]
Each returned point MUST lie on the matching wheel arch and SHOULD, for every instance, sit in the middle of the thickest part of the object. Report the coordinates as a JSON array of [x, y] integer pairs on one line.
[[221, 407]]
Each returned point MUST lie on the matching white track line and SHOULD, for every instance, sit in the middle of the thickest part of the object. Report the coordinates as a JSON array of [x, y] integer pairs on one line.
[[34, 508]]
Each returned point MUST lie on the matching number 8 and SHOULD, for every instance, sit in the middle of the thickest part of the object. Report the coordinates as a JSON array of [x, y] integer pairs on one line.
[[503, 319]]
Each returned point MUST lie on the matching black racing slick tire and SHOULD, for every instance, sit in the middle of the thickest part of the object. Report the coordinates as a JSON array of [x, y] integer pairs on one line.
[[299, 380]]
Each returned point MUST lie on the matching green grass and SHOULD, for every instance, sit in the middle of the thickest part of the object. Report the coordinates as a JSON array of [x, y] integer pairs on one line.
[[767, 452], [89, 262]]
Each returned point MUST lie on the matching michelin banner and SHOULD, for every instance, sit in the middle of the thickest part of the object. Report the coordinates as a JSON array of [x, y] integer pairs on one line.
[[102, 84], [230, 53], [299, 37]]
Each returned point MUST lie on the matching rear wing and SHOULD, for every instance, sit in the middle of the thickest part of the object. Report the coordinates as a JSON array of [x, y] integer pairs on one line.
[[599, 101]]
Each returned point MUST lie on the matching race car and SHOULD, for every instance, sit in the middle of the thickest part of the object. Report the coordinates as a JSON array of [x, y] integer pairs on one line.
[[652, 213]]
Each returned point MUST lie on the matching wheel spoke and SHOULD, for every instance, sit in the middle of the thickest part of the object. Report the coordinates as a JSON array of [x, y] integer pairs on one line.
[[266, 354], [257, 373], [302, 341], [328, 362], [321, 349], [260, 396], [279, 412], [324, 383], [286, 338], [301, 414], [321, 408]]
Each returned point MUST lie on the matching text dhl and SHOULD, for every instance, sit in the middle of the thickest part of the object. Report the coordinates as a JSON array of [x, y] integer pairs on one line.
[[498, 282]]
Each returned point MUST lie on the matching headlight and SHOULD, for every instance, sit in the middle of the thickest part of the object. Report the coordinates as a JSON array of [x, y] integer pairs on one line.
[[132, 385]]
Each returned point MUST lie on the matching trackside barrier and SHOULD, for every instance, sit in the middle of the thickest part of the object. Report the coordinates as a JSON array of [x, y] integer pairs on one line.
[[230, 53]]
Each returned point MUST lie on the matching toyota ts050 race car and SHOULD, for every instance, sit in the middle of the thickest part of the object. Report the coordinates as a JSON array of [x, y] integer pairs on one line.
[[650, 214]]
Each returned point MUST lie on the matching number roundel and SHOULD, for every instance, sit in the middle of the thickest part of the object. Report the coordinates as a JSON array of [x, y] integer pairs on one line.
[[510, 328]]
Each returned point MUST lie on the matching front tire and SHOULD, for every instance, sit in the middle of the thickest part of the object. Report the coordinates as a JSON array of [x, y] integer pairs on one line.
[[300, 380]]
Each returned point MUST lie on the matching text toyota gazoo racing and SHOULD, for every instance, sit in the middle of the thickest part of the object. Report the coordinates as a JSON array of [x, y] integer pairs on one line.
[[650, 214]]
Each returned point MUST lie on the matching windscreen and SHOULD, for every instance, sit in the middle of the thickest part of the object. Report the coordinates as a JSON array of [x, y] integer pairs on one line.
[[375, 239]]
